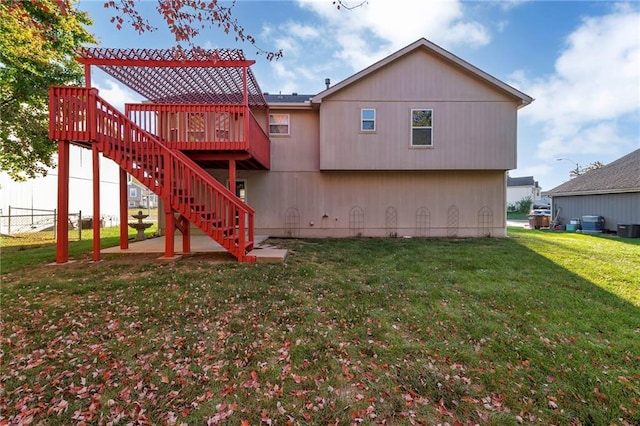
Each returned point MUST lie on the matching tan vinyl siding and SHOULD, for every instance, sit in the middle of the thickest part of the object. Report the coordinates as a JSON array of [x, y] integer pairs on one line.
[[328, 178], [474, 125], [316, 194], [299, 150], [483, 139], [421, 73]]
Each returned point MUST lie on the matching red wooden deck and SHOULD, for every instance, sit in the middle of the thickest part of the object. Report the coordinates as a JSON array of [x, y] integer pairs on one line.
[[213, 131], [199, 114]]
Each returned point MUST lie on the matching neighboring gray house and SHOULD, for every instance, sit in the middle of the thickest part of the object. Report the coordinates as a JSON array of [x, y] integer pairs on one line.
[[519, 188], [139, 195], [612, 192]]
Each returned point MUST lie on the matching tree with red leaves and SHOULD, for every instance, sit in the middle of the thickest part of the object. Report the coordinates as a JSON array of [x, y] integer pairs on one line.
[[186, 18]]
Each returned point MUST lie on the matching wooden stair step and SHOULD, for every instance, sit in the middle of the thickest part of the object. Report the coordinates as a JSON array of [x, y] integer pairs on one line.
[[214, 223], [198, 208]]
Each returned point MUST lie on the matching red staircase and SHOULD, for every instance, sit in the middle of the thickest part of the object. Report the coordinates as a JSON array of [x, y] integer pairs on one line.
[[80, 116]]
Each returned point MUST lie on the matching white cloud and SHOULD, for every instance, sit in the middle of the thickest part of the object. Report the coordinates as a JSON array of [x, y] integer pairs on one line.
[[291, 36], [336, 43], [288, 45], [303, 32], [472, 33], [282, 72], [596, 84], [507, 5], [392, 26], [117, 94]]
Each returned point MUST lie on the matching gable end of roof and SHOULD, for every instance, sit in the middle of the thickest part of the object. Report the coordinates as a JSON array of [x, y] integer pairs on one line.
[[443, 54]]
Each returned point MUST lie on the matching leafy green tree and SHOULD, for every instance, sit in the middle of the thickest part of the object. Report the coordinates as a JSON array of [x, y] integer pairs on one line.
[[592, 166], [37, 42], [582, 170]]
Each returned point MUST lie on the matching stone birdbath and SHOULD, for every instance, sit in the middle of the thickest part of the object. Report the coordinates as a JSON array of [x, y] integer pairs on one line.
[[140, 226]]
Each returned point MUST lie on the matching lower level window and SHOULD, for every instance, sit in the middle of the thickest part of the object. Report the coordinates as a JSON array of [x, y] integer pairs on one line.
[[421, 127]]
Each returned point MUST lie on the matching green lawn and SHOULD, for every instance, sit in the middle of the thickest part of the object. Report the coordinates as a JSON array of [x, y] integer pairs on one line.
[[539, 328], [18, 255], [517, 215]]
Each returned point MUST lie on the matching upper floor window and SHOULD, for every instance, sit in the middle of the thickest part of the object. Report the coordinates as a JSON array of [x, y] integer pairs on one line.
[[367, 120], [133, 192], [278, 124], [421, 127]]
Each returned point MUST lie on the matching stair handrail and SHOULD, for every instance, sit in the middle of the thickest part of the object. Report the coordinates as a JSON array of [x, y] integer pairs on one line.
[[197, 170]]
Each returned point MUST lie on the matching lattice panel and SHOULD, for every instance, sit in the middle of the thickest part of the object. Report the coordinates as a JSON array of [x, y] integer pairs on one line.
[[292, 222], [485, 222], [423, 222], [453, 221], [356, 221], [180, 76], [391, 221]]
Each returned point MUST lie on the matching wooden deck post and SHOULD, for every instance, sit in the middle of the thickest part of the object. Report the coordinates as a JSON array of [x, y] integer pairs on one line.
[[124, 211], [185, 229], [170, 228], [232, 176], [87, 75], [62, 226], [96, 202], [186, 240]]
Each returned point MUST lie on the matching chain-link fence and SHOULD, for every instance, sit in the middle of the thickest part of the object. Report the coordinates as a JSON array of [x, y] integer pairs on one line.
[[36, 225]]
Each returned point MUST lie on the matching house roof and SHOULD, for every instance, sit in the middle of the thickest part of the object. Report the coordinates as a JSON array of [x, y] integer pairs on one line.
[[520, 181], [180, 76], [622, 175], [294, 98], [442, 54]]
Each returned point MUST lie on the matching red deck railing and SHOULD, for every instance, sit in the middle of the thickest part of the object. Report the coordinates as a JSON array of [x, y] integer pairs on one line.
[[79, 114], [204, 127]]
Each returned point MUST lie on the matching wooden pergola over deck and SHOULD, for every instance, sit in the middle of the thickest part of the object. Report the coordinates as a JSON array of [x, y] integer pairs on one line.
[[196, 76], [189, 84]]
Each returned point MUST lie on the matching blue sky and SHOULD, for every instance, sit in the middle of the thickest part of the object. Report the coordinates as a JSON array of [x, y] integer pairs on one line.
[[580, 60]]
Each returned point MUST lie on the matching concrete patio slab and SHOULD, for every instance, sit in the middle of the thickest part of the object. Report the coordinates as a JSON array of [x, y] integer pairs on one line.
[[269, 254], [199, 244]]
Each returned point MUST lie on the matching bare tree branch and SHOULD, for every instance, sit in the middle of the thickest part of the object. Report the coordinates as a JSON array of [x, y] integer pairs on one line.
[[186, 19], [340, 4]]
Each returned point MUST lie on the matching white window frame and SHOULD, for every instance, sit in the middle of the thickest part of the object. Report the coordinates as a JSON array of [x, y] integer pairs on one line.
[[278, 125], [412, 128], [363, 120], [133, 192]]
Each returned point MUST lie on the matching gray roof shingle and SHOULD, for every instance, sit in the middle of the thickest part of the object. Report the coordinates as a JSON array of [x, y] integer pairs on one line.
[[622, 175], [287, 99], [520, 181]]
